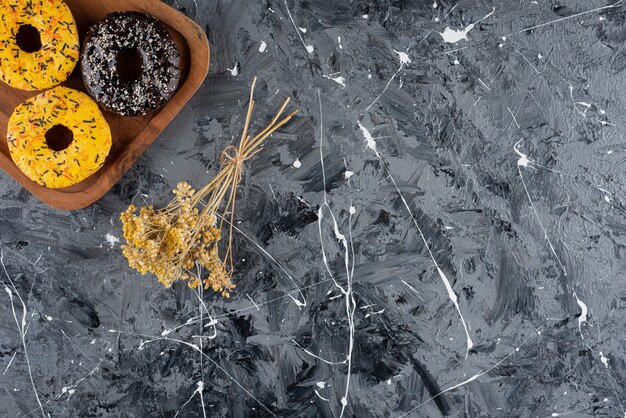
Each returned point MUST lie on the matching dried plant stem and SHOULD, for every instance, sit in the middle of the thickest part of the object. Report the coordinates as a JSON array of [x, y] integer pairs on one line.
[[231, 173]]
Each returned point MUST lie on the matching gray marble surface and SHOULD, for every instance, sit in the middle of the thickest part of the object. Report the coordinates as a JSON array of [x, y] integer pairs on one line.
[[470, 208]]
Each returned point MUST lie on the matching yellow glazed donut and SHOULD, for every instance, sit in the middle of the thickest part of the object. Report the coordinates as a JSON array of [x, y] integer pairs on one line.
[[39, 45], [59, 137]]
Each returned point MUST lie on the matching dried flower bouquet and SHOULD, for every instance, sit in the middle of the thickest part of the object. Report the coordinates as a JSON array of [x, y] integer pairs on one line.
[[176, 242]]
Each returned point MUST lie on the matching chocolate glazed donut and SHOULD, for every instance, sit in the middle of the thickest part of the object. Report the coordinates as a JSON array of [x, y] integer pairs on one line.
[[130, 64]]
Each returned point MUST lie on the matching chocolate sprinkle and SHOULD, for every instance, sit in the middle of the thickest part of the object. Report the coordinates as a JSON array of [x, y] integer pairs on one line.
[[160, 74]]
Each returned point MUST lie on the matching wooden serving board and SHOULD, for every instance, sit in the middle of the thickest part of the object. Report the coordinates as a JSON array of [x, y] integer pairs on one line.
[[131, 135]]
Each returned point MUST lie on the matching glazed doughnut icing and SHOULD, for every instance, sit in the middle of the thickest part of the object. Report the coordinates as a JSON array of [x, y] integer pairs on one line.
[[59, 47], [34, 154], [119, 34]]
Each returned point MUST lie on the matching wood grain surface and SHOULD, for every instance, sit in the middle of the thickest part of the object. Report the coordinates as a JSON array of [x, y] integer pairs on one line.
[[131, 135]]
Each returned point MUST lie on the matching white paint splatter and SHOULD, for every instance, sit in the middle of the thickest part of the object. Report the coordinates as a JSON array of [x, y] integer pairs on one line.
[[65, 390], [404, 60], [299, 303], [514, 118], [21, 325], [404, 57], [413, 289], [263, 46], [604, 360], [198, 391], [71, 389], [9, 365], [523, 162], [235, 70], [111, 239], [474, 377], [453, 36], [347, 174], [455, 301], [369, 139], [616, 4], [309, 48], [375, 313], [372, 145], [339, 40], [297, 164], [523, 159], [583, 315], [578, 105], [337, 79], [321, 397], [348, 261], [366, 16]]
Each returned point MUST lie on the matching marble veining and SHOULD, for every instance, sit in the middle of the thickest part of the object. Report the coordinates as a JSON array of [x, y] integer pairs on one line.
[[439, 232]]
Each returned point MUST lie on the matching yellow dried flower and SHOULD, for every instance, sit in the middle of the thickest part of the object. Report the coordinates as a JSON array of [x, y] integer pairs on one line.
[[175, 243]]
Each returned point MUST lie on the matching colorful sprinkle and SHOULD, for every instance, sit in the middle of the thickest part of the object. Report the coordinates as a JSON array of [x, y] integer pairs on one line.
[[30, 152], [60, 47]]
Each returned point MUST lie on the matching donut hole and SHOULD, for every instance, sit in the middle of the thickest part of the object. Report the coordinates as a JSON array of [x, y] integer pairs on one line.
[[129, 65], [28, 38], [59, 137]]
